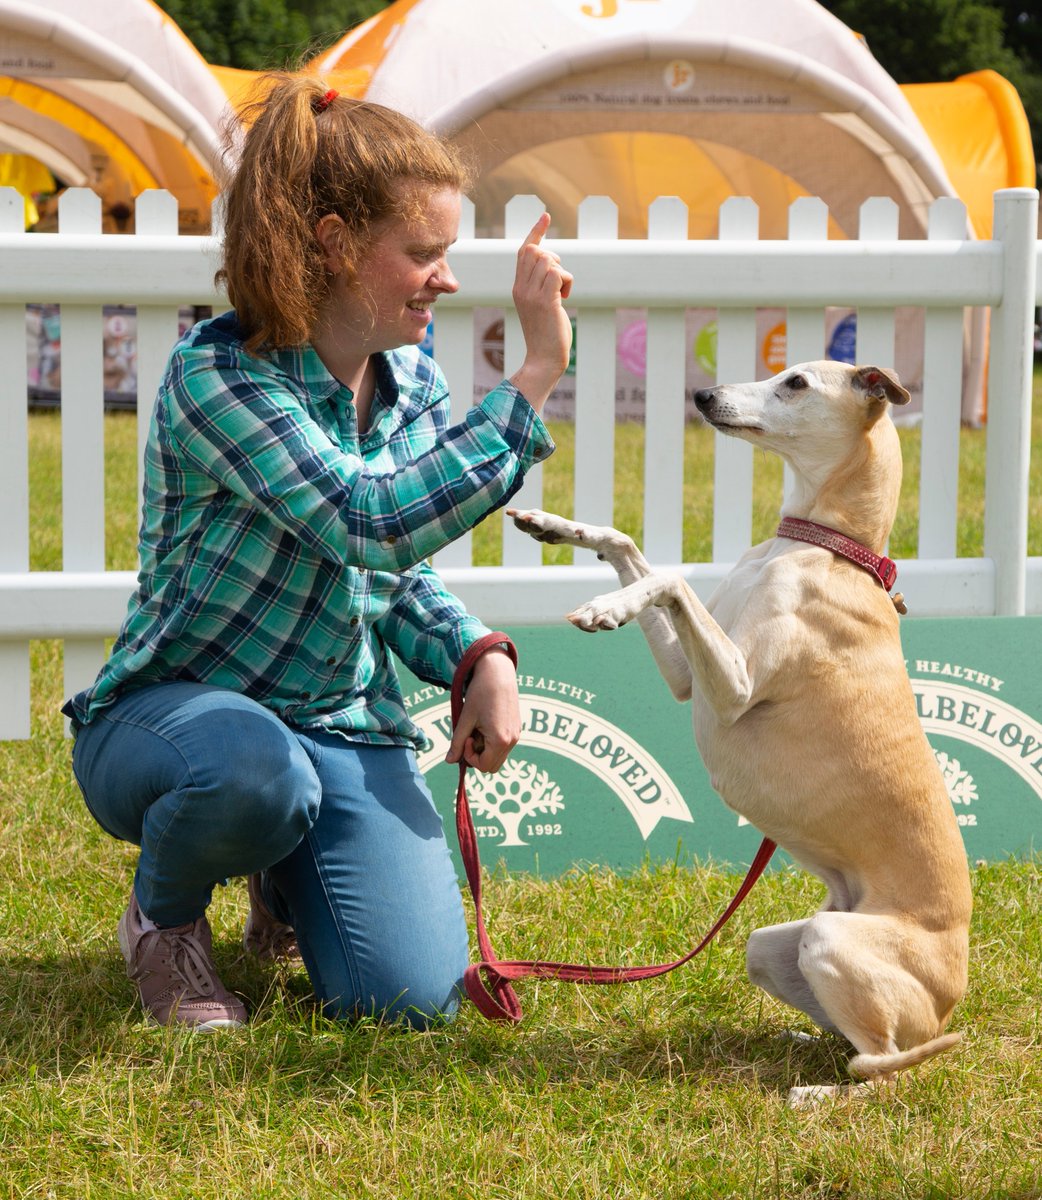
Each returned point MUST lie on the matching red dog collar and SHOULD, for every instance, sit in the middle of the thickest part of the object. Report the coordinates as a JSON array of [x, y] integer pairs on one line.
[[884, 569]]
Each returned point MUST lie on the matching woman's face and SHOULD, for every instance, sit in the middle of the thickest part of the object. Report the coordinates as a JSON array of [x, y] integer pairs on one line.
[[400, 276]]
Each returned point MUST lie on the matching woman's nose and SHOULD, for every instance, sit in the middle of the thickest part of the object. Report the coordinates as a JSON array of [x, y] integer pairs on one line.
[[443, 279]]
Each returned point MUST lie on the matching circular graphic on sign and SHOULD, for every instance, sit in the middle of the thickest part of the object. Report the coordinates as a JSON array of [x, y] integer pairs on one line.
[[633, 347], [773, 350], [492, 345], [705, 348], [990, 755], [679, 76], [843, 343]]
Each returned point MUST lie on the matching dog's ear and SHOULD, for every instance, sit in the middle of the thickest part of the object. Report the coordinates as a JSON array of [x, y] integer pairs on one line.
[[879, 383]]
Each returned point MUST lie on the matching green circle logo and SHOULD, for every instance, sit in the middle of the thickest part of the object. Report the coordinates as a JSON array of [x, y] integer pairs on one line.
[[705, 348]]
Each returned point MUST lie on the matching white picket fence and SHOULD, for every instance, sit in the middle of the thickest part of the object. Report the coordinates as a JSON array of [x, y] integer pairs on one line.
[[158, 271]]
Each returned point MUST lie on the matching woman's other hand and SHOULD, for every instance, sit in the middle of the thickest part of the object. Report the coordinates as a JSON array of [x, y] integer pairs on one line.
[[490, 721]]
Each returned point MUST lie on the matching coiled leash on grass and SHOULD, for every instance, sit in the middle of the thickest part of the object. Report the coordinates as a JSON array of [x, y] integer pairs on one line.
[[496, 999]]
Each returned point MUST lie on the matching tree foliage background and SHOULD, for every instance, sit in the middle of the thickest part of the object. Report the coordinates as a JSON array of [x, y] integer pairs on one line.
[[263, 34], [917, 41], [933, 41]]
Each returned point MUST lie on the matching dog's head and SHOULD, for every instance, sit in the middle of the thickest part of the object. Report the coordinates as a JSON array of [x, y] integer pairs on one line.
[[807, 403], [828, 421]]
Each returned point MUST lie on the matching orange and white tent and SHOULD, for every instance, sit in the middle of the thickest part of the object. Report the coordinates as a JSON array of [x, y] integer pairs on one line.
[[696, 98], [700, 99], [110, 96]]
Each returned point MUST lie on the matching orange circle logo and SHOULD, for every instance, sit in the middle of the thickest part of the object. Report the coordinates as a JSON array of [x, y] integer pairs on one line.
[[774, 348]]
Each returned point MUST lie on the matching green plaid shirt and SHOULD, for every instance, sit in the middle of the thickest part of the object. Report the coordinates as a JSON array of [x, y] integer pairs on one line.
[[279, 548]]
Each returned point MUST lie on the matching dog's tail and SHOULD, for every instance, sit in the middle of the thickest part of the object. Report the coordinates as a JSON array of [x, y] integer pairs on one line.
[[872, 1066]]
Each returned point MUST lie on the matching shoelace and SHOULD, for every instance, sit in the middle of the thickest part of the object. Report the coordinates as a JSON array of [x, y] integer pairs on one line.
[[188, 959]]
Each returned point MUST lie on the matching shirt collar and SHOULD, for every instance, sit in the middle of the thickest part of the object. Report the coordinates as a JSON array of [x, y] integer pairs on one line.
[[303, 363]]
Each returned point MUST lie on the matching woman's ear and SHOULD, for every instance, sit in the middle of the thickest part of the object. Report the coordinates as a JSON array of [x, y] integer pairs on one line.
[[330, 232]]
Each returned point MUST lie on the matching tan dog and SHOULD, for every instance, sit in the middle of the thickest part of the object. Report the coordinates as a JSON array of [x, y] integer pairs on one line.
[[804, 715]]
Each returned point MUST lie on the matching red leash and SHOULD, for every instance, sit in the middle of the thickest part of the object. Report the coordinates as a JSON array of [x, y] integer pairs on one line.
[[496, 999]]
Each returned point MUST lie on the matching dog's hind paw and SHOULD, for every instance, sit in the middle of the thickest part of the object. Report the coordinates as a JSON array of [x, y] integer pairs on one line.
[[812, 1094], [805, 1097]]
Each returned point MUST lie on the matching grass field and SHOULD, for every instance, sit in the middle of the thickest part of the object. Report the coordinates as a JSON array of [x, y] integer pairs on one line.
[[673, 1088]]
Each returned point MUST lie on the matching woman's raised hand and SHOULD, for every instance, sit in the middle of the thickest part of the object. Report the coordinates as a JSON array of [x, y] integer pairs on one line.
[[541, 286]]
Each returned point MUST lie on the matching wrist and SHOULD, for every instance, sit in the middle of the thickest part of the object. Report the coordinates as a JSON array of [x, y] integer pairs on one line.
[[536, 383], [495, 658]]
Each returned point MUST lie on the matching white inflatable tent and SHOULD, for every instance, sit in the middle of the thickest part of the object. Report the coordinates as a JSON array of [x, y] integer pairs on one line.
[[110, 96], [739, 96], [701, 99]]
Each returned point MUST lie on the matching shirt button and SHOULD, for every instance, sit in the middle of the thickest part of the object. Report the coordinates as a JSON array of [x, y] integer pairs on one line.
[[330, 662], [354, 620], [391, 540], [305, 695]]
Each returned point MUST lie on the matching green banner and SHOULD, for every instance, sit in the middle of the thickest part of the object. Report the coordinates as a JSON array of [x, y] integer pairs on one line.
[[607, 771]]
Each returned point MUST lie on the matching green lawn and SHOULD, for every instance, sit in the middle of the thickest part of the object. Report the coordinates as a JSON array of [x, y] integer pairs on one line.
[[672, 1088]]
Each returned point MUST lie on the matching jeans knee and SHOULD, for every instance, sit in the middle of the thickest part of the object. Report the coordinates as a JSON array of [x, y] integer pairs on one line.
[[416, 1007], [271, 793], [285, 803]]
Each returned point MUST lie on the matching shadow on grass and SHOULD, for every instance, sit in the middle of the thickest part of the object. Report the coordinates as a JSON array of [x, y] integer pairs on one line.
[[80, 1008]]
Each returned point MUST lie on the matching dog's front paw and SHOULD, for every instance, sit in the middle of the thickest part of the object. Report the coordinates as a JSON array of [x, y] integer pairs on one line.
[[546, 527], [598, 614]]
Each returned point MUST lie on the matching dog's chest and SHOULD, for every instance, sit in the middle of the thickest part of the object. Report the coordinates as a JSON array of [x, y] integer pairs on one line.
[[760, 586]]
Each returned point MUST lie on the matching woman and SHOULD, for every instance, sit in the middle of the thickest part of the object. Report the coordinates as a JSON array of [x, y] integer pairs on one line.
[[299, 470]]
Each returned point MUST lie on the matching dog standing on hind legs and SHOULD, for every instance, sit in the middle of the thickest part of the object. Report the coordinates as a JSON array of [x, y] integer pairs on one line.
[[804, 715]]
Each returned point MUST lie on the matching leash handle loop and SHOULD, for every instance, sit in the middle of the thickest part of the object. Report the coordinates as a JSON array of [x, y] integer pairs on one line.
[[488, 981]]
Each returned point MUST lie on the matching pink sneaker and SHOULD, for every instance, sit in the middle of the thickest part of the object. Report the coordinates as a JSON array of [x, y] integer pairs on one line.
[[265, 935], [175, 975]]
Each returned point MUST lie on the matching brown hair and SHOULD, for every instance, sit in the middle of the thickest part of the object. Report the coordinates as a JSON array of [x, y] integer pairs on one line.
[[304, 154]]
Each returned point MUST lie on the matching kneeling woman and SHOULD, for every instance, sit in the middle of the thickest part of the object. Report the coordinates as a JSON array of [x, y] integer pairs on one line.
[[300, 468]]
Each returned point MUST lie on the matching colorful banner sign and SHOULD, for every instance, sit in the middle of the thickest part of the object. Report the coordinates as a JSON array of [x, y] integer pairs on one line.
[[607, 771]]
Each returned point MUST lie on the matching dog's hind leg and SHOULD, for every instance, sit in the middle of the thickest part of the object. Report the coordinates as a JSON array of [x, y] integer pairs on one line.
[[772, 963], [852, 962]]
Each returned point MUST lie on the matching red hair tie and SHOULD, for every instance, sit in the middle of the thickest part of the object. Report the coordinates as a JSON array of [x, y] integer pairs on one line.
[[320, 106]]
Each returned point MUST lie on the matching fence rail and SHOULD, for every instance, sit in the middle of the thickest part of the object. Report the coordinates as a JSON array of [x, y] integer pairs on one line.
[[157, 271]]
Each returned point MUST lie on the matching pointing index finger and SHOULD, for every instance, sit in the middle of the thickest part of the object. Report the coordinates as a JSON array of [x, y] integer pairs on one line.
[[537, 231]]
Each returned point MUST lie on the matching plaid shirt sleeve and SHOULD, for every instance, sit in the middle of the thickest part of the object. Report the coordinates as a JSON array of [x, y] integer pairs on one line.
[[429, 629], [250, 431]]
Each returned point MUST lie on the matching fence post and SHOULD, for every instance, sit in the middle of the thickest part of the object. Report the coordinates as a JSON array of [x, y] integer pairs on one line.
[[522, 212], [594, 475], [1009, 399], [83, 438], [942, 402], [155, 212], [14, 482], [735, 361], [664, 387]]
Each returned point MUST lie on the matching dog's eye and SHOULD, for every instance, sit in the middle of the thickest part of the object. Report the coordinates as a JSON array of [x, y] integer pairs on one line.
[[797, 383]]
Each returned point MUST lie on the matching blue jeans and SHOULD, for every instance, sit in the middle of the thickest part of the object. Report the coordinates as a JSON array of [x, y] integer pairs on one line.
[[211, 784]]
